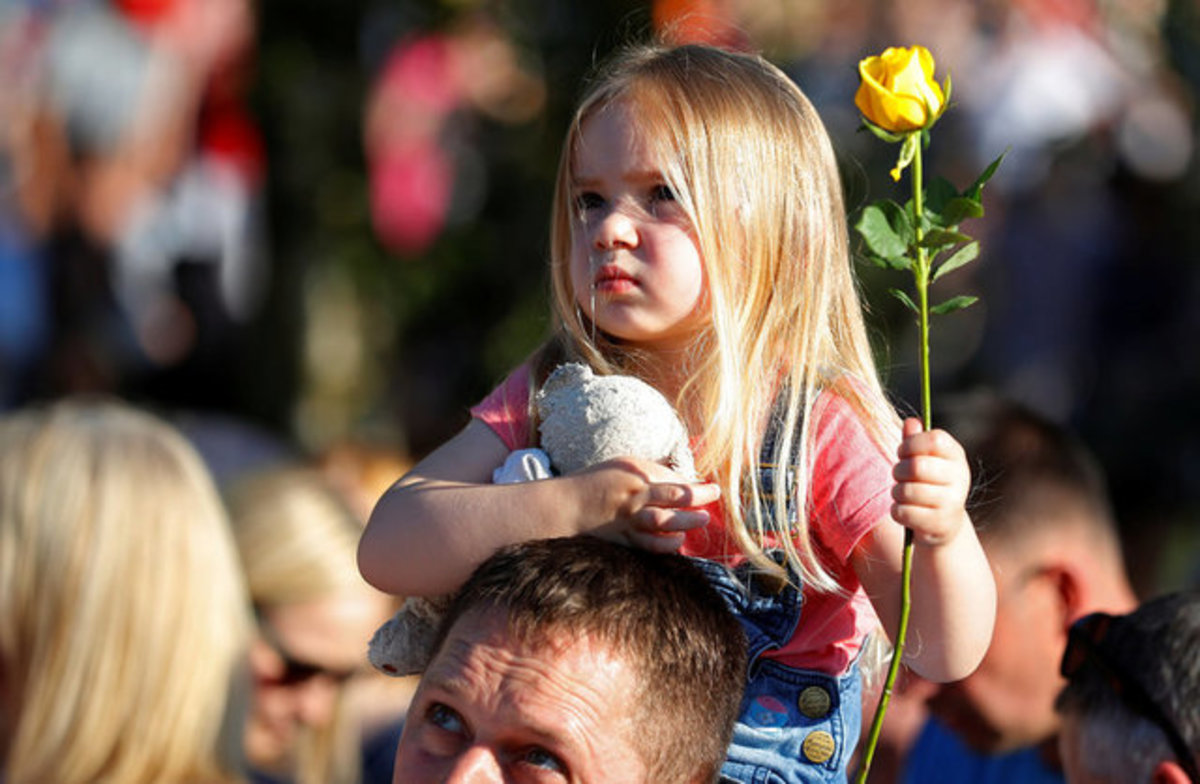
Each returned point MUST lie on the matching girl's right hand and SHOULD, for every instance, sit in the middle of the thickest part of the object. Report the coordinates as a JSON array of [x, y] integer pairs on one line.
[[643, 503]]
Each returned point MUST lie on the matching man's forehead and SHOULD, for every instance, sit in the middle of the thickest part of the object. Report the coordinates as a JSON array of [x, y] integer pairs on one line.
[[481, 653], [566, 691]]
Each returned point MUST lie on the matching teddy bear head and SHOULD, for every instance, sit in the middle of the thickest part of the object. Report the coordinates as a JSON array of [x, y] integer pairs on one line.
[[586, 419]]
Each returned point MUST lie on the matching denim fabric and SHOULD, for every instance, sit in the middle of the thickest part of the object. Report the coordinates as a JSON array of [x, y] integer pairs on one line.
[[775, 741]]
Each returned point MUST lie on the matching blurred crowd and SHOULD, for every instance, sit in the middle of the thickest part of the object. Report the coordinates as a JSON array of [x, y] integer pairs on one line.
[[131, 201], [327, 222], [308, 238]]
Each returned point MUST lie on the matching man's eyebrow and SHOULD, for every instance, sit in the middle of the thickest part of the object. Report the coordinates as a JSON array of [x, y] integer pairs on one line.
[[457, 689]]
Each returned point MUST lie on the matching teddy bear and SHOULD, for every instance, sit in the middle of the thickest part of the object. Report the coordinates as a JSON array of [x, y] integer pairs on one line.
[[584, 419]]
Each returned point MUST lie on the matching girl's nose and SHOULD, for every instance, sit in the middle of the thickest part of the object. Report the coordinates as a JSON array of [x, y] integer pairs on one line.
[[615, 230]]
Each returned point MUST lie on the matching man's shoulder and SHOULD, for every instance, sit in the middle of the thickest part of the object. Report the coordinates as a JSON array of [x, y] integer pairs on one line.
[[939, 757]]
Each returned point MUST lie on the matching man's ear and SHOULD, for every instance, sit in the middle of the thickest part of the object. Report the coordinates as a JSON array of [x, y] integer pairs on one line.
[[1069, 592], [1169, 772]]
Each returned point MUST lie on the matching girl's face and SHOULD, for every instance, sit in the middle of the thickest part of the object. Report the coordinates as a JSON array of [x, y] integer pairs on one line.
[[635, 266]]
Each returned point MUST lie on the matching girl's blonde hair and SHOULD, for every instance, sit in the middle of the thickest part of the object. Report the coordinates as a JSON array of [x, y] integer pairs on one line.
[[752, 165], [297, 539], [123, 615]]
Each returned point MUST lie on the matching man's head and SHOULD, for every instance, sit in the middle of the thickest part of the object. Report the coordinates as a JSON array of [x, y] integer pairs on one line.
[[578, 660], [1041, 508], [1131, 706]]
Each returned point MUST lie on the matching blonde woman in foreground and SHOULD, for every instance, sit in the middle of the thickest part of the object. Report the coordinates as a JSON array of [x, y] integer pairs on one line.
[[123, 615]]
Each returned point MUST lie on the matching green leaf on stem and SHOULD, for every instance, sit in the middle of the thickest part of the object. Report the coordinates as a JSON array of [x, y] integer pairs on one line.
[[886, 228], [937, 238], [953, 304], [902, 263], [959, 209], [939, 193], [964, 255], [977, 186], [907, 300]]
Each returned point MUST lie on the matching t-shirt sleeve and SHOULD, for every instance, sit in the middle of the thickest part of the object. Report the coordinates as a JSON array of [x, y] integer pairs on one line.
[[852, 478], [506, 409]]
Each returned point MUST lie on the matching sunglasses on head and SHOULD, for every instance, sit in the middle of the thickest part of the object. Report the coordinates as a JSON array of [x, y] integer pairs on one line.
[[297, 671], [1083, 650]]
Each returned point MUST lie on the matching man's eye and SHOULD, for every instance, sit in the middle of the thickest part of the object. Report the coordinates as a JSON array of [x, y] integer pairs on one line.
[[540, 758], [588, 201], [445, 718]]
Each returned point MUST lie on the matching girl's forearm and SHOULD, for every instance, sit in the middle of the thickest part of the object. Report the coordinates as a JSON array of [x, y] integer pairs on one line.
[[426, 535], [953, 608]]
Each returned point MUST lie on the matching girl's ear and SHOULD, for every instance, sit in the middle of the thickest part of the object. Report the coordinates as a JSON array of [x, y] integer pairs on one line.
[[1169, 772]]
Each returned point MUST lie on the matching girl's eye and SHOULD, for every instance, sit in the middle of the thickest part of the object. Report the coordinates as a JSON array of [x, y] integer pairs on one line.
[[662, 193], [588, 200]]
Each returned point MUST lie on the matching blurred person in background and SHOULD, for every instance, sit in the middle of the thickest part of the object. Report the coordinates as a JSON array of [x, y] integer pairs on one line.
[[297, 539], [426, 170], [1131, 706], [360, 471], [1040, 505], [137, 173], [123, 614]]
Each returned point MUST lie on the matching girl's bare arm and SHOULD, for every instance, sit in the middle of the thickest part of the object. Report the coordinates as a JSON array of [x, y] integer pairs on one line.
[[443, 518], [953, 591]]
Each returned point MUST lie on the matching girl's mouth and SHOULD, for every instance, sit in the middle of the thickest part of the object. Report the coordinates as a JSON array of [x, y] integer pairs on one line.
[[611, 279]]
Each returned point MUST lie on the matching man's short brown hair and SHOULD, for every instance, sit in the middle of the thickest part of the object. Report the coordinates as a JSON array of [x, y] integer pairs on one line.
[[658, 611]]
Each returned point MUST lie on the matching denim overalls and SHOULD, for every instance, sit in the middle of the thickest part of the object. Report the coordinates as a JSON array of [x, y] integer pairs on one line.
[[795, 725]]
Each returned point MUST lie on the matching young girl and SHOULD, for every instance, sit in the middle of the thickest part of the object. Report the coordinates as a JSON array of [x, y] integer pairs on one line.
[[699, 242]]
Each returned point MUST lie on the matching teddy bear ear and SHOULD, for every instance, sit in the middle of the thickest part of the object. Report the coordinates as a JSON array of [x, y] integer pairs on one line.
[[566, 375]]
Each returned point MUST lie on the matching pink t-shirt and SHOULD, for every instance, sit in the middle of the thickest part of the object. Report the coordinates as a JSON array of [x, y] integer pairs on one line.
[[851, 493]]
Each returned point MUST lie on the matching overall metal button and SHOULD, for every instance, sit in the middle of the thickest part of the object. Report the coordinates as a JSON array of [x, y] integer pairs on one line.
[[815, 702], [818, 747]]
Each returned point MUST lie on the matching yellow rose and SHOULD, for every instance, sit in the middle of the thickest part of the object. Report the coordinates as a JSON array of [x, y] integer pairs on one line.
[[898, 92]]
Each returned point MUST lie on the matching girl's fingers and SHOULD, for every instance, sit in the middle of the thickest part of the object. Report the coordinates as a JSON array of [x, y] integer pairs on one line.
[[929, 442], [931, 470], [681, 496], [653, 519], [929, 526], [922, 495]]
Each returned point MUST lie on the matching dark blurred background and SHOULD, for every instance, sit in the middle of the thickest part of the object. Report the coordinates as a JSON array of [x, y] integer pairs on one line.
[[307, 224]]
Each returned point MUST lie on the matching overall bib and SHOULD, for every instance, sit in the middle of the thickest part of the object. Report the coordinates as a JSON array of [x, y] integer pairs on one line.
[[796, 726]]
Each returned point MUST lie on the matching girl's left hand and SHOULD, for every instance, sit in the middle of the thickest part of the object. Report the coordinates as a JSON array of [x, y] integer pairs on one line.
[[932, 483]]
